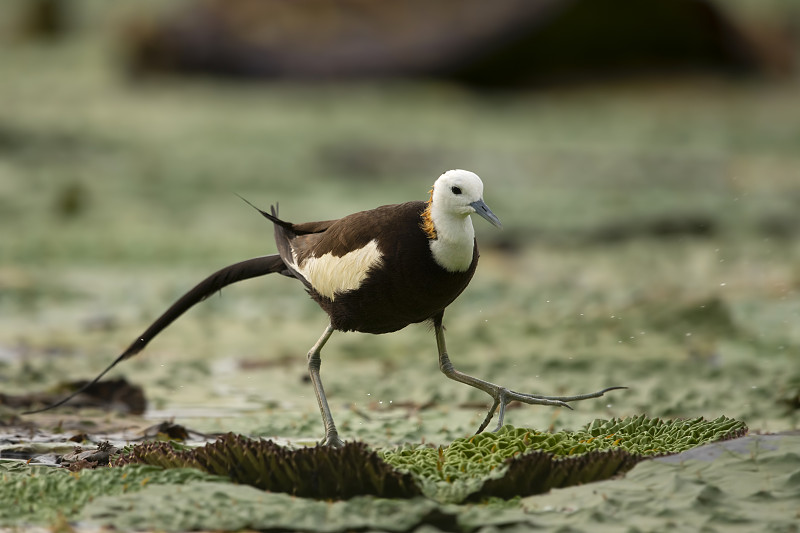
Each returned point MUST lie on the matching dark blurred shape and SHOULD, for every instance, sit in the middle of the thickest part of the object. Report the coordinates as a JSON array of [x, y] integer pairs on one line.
[[780, 225], [11, 139], [789, 393], [71, 200], [499, 43], [167, 430], [672, 226], [45, 19], [112, 394]]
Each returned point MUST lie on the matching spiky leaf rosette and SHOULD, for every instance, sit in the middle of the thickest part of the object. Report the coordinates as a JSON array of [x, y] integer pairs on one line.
[[319, 472]]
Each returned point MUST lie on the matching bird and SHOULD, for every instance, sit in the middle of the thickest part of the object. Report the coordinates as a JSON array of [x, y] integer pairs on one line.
[[374, 271]]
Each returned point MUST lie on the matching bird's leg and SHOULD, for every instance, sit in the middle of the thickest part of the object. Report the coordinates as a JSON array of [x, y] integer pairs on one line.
[[501, 395], [314, 363]]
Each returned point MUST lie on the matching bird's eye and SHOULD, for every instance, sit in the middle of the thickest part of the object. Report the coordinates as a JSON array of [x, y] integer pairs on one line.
[[455, 190]]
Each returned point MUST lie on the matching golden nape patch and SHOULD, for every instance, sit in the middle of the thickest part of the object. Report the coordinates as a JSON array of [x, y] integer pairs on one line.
[[330, 274], [427, 221]]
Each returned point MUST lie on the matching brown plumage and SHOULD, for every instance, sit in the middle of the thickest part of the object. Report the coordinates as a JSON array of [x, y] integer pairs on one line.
[[410, 288]]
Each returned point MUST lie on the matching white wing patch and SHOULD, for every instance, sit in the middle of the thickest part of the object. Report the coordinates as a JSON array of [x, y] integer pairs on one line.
[[330, 275]]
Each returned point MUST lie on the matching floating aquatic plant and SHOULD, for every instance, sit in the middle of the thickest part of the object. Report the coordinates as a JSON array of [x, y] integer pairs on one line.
[[521, 462], [511, 462], [319, 472]]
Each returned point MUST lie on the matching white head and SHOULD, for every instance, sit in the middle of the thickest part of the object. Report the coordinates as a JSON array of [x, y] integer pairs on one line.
[[456, 195], [460, 192]]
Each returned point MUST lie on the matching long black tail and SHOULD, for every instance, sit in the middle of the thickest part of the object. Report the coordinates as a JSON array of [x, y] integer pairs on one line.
[[251, 268]]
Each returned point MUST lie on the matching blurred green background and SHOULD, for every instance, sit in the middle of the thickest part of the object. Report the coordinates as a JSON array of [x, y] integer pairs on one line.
[[650, 235]]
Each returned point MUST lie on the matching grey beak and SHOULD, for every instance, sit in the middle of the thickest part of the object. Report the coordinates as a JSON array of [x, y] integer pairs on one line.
[[483, 210]]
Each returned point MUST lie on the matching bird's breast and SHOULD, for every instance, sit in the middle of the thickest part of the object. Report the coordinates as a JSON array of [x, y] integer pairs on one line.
[[454, 240]]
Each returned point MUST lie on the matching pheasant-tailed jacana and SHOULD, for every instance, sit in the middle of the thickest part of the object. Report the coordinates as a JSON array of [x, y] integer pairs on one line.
[[374, 271]]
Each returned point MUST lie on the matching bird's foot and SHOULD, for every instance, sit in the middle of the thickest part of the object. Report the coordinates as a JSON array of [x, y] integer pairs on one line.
[[502, 397], [332, 439]]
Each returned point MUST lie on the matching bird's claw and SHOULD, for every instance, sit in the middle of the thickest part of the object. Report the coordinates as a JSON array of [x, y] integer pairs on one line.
[[502, 397], [332, 440]]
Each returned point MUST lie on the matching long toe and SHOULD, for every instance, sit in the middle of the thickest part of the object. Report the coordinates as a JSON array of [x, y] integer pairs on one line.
[[558, 401], [504, 396]]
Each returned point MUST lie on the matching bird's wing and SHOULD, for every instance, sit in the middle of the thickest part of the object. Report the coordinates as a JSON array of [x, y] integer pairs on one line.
[[342, 257], [386, 224], [362, 233]]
